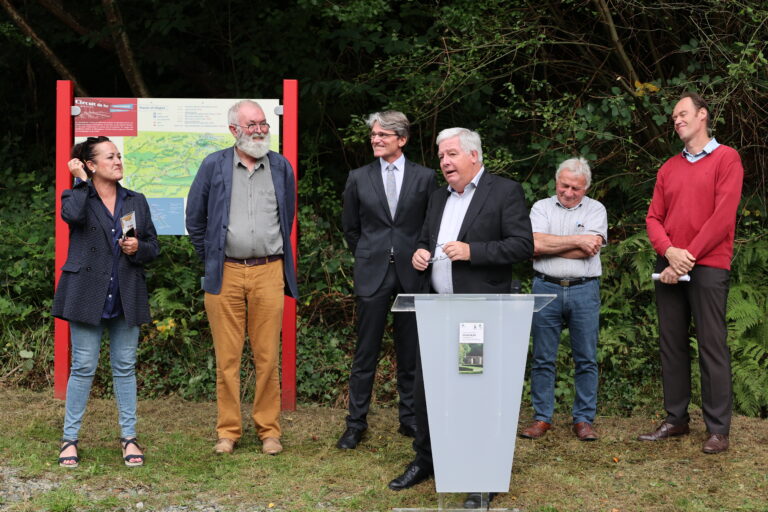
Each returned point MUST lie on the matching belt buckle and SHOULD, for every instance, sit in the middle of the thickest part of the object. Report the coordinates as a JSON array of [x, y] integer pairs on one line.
[[565, 282]]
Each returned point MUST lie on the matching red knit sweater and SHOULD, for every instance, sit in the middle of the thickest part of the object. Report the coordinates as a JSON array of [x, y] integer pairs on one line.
[[694, 206]]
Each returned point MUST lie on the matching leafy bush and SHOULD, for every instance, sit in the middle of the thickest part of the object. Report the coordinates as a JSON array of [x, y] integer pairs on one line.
[[26, 279], [548, 81]]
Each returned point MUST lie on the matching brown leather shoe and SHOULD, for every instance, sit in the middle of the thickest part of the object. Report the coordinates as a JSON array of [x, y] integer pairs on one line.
[[536, 430], [715, 443], [664, 431], [271, 446], [224, 445], [584, 431]]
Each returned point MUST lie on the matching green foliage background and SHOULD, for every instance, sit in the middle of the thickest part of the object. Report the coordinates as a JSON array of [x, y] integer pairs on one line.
[[540, 81]]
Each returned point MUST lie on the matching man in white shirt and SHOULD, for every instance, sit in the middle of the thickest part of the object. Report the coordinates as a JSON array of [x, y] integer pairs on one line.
[[569, 230]]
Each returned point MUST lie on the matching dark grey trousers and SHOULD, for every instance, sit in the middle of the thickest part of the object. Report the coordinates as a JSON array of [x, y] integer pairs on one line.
[[703, 299]]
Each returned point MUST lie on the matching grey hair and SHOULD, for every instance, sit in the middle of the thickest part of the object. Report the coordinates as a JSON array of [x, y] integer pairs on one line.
[[234, 110], [577, 166], [469, 140], [390, 120]]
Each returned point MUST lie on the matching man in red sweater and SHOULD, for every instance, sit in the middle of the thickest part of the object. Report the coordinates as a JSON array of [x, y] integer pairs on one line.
[[691, 224]]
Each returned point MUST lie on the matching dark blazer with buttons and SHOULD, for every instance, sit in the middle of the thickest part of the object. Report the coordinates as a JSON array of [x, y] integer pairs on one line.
[[370, 230], [207, 214], [85, 276], [497, 228]]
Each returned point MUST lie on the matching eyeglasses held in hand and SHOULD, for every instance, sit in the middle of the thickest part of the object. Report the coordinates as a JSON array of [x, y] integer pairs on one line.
[[442, 256]]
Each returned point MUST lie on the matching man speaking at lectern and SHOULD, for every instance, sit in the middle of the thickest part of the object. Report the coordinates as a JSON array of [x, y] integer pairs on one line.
[[475, 230]]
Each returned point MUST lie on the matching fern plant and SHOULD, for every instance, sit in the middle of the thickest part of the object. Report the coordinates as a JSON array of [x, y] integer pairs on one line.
[[748, 328]]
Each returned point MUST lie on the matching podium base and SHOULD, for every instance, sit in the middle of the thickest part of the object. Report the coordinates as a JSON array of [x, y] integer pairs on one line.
[[454, 502]]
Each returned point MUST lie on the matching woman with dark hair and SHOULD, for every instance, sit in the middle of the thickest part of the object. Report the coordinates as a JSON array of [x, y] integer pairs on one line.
[[102, 286]]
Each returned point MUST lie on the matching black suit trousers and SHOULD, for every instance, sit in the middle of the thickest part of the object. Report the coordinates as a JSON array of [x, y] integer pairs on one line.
[[703, 298], [371, 320], [422, 443]]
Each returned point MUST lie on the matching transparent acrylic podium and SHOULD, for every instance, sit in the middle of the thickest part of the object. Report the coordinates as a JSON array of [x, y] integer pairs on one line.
[[480, 409]]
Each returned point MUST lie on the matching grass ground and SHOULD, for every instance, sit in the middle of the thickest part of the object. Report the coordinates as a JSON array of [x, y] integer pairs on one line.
[[554, 474]]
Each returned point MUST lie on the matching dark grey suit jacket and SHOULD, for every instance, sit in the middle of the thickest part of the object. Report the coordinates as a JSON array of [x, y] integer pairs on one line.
[[370, 230], [496, 227], [85, 276]]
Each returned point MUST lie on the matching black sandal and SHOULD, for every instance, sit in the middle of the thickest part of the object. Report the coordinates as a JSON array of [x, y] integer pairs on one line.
[[75, 458], [127, 458]]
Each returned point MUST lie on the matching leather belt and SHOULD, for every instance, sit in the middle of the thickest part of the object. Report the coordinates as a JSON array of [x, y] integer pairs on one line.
[[251, 262], [563, 282]]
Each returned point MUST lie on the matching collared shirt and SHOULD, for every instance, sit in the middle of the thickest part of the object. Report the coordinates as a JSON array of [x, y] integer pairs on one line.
[[399, 172], [254, 225], [587, 218], [113, 306], [453, 216], [710, 147]]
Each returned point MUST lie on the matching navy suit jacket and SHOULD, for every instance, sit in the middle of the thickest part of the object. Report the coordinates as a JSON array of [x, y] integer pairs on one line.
[[497, 228], [85, 276], [371, 232], [207, 214]]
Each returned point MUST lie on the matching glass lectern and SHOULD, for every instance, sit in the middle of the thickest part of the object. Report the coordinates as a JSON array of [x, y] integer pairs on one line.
[[473, 353]]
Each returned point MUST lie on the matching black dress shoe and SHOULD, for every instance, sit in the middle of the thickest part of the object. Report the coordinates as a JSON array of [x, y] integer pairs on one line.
[[413, 475], [408, 430], [474, 500], [350, 438]]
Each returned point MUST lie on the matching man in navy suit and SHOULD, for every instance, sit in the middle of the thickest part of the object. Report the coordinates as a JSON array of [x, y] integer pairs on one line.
[[475, 230], [240, 211], [384, 206]]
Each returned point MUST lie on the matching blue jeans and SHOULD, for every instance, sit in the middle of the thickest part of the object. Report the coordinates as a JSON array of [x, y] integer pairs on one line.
[[86, 342], [578, 307]]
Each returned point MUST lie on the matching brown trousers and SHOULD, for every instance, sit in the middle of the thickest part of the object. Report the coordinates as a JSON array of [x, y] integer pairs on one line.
[[250, 297]]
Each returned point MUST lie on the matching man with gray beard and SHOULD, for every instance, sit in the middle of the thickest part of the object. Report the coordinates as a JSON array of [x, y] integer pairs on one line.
[[239, 215]]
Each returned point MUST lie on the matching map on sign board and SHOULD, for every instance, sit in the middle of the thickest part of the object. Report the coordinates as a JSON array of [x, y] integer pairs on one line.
[[163, 142]]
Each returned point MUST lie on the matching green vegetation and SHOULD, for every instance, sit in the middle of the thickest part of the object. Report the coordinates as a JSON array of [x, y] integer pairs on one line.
[[540, 81], [557, 473]]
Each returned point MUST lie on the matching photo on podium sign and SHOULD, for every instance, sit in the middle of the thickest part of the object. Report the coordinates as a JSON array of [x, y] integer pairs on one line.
[[471, 342]]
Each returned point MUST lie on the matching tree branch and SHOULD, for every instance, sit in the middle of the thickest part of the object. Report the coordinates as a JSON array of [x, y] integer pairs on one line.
[[626, 63], [57, 9], [51, 57], [123, 49]]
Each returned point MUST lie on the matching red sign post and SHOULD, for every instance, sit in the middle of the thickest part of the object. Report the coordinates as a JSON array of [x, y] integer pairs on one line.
[[65, 131], [291, 152]]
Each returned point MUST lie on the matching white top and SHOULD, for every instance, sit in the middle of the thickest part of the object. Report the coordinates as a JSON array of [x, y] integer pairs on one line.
[[587, 218], [453, 216]]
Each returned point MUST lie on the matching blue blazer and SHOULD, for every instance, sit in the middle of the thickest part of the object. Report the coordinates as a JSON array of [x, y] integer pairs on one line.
[[85, 276], [207, 214]]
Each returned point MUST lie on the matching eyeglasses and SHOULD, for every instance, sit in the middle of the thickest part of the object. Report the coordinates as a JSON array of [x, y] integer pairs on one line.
[[382, 135], [443, 256], [262, 126]]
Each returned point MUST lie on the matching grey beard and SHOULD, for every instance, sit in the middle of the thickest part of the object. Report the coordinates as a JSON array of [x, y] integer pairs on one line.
[[254, 148]]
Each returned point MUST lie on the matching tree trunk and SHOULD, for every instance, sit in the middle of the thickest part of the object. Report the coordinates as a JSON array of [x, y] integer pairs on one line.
[[51, 57], [57, 9], [123, 48]]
